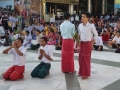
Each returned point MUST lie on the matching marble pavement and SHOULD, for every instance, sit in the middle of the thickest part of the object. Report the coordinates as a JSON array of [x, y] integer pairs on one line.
[[105, 73]]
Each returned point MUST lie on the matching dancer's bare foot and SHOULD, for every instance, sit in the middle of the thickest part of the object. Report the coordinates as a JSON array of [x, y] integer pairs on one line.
[[84, 78]]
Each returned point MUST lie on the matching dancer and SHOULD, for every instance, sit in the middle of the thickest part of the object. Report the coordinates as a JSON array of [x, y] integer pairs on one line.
[[86, 32], [46, 56], [67, 31], [19, 53]]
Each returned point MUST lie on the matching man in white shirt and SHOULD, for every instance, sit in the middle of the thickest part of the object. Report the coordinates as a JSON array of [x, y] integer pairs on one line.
[[72, 19], [52, 20], [19, 54], [76, 19], [46, 56], [86, 32]]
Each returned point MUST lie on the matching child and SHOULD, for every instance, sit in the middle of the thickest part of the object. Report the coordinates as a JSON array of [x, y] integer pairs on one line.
[[19, 53], [46, 56]]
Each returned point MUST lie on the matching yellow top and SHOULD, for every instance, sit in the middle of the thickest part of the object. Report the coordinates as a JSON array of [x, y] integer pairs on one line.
[[46, 30]]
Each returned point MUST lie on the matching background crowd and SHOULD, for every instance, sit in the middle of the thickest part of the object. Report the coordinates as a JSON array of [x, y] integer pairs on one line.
[[13, 27]]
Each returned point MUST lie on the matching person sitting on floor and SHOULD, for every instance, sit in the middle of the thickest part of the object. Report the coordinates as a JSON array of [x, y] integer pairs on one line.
[[19, 53], [59, 43], [46, 56], [116, 40], [27, 40], [37, 45], [98, 43], [52, 37], [105, 36], [8, 41]]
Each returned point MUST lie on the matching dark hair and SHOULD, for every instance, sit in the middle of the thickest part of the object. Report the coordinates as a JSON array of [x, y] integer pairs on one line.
[[51, 30], [118, 32], [20, 40], [59, 33], [27, 32], [45, 39], [67, 16], [104, 31], [6, 33], [38, 30], [88, 15]]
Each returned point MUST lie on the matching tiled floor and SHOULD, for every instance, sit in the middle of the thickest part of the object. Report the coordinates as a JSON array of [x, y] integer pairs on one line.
[[102, 77]]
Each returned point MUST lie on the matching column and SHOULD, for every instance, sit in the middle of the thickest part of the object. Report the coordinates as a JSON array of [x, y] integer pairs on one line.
[[106, 6], [40, 9], [103, 6], [89, 6], [71, 9], [55, 9]]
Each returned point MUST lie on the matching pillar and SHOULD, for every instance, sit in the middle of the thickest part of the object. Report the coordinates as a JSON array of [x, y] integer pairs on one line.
[[89, 6], [71, 9], [55, 9], [40, 8], [103, 6], [106, 6]]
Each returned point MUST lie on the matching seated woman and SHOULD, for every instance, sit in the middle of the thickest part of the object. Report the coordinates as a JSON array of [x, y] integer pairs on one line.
[[116, 40], [19, 53], [105, 36], [46, 56], [98, 43], [27, 40], [52, 37], [59, 43], [8, 41]]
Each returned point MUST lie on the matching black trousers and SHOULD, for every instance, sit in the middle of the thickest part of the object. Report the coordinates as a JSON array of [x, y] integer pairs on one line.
[[96, 47], [114, 46], [35, 47]]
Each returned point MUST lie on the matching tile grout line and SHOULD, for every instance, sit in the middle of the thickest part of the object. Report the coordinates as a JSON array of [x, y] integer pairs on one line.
[[72, 82]]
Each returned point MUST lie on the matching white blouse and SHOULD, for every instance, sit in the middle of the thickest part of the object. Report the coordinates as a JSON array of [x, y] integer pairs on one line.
[[116, 39]]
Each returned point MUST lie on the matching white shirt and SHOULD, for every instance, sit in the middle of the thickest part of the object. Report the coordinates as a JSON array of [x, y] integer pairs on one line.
[[52, 19], [2, 32], [27, 39], [72, 18], [98, 41], [38, 38], [116, 39], [77, 18], [47, 51], [87, 32], [18, 60]]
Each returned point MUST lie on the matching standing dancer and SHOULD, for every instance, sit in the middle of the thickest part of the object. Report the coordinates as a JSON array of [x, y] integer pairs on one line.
[[86, 32], [67, 31]]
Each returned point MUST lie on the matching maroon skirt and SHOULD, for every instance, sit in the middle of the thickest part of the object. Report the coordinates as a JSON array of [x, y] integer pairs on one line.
[[67, 62], [85, 59]]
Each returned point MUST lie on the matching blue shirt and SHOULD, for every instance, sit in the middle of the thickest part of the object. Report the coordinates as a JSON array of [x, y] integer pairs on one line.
[[67, 30]]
